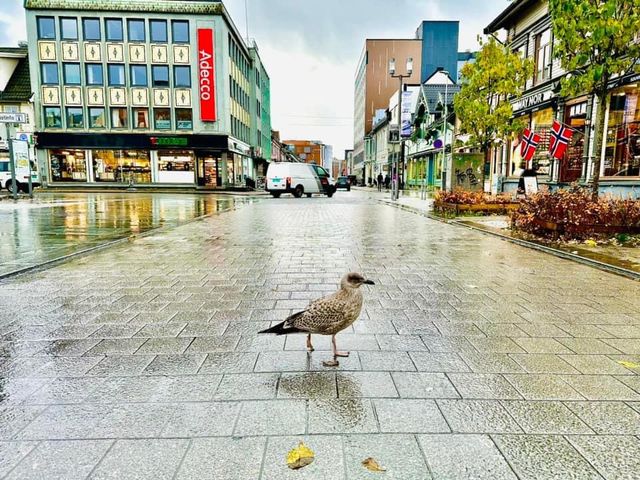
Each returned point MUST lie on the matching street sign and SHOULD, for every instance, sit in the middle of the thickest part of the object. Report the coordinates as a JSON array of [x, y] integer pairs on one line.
[[13, 118]]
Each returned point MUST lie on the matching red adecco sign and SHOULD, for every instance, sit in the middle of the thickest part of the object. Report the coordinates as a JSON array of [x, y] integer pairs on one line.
[[206, 75]]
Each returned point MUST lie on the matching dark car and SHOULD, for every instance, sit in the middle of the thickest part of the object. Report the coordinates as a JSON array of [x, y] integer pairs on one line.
[[343, 182]]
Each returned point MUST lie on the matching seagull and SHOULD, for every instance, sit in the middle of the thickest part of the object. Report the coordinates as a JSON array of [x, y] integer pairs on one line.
[[327, 315]]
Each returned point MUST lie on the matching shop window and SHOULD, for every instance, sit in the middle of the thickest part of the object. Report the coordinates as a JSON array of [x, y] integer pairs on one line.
[[180, 31], [96, 118], [119, 118], [182, 76], [71, 73], [184, 119], [94, 74], [52, 117], [46, 28], [74, 117], [116, 75], [160, 75], [68, 165], [162, 118], [122, 166], [543, 56], [91, 29], [139, 75], [158, 30], [49, 73], [113, 27], [140, 118], [622, 150], [136, 30], [176, 166], [69, 28]]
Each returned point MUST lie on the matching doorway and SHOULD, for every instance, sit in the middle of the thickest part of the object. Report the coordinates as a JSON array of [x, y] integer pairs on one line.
[[209, 171]]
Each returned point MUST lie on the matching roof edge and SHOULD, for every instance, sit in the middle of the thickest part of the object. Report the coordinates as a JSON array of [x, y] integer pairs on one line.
[[502, 18]]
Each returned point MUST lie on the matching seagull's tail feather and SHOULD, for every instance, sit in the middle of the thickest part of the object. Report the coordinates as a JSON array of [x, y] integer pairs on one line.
[[280, 329]]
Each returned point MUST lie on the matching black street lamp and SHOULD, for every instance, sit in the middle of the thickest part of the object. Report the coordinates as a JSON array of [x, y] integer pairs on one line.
[[395, 177]]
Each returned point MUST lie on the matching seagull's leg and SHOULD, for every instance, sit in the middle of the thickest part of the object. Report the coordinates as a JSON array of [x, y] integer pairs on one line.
[[309, 346], [336, 353]]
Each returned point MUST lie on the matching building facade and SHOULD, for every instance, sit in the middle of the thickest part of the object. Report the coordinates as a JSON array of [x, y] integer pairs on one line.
[[527, 24], [309, 151], [439, 47], [146, 93]]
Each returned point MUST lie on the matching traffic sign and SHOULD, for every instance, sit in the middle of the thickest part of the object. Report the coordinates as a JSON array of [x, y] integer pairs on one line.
[[13, 118]]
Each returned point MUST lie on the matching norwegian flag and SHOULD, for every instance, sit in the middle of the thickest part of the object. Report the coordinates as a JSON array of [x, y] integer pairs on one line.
[[560, 136], [528, 144]]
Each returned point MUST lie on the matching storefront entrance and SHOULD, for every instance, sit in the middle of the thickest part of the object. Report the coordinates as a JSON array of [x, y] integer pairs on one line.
[[209, 174], [571, 165]]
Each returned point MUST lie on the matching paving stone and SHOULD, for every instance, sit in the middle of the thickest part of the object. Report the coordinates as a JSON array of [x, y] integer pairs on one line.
[[544, 457], [540, 417], [491, 362], [283, 361], [117, 346], [215, 344], [11, 453], [607, 418], [386, 361], [483, 386], [64, 460], [613, 456], [328, 462], [399, 454], [175, 364], [542, 345], [342, 416], [160, 346], [141, 459], [252, 386], [589, 346], [405, 343], [307, 385], [15, 418], [477, 416], [447, 344], [272, 417], [232, 362], [399, 415], [595, 365], [222, 459], [64, 390], [624, 345], [600, 387], [472, 457], [120, 365], [543, 387], [495, 345], [206, 419], [438, 362], [424, 385], [543, 363]]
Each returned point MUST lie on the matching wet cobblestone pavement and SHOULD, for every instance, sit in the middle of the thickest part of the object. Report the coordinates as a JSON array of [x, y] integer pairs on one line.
[[473, 358], [54, 225]]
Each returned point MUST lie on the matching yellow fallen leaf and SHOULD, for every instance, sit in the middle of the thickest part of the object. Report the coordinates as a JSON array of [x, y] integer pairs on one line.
[[591, 243], [299, 457], [371, 464], [629, 364]]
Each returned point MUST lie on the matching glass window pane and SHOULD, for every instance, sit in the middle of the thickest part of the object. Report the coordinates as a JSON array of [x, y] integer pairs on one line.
[[96, 118], [68, 165], [74, 117], [139, 75], [136, 30], [69, 28], [158, 30], [140, 118], [71, 73], [182, 76], [94, 74], [114, 29], [46, 28], [180, 32], [52, 117], [162, 118], [50, 73], [160, 75], [184, 119], [116, 75], [119, 118], [91, 28]]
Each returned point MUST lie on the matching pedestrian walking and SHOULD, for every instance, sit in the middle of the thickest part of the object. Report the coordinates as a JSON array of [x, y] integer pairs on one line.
[[387, 181], [380, 181]]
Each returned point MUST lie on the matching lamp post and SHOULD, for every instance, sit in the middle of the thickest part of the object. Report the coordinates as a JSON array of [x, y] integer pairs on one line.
[[444, 129], [395, 177]]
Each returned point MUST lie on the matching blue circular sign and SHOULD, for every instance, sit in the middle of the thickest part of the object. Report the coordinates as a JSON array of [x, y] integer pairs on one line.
[[24, 137], [437, 143]]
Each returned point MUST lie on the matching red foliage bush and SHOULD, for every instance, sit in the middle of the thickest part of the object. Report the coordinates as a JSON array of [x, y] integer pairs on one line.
[[462, 197], [575, 214]]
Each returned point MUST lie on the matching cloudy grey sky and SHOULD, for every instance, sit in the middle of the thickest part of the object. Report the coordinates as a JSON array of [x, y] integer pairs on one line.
[[311, 47]]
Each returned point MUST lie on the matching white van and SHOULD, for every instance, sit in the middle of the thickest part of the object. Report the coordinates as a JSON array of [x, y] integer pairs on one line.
[[22, 175], [298, 179]]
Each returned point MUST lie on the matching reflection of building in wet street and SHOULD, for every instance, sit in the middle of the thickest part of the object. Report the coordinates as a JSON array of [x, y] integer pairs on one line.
[[146, 93]]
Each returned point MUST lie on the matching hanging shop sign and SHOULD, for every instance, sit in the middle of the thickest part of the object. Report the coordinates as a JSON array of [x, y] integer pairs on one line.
[[405, 117], [206, 75], [532, 101]]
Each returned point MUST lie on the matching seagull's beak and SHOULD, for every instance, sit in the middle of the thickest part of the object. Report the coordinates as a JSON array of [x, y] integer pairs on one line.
[[369, 282]]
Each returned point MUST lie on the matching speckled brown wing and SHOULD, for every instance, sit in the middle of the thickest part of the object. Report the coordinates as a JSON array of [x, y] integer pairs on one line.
[[327, 315]]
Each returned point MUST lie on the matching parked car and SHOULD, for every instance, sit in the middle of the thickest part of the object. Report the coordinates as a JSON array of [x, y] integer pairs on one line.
[[343, 182], [298, 179], [22, 176]]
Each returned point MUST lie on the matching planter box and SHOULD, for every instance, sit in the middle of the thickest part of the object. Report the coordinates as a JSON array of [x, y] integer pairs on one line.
[[607, 229], [458, 208]]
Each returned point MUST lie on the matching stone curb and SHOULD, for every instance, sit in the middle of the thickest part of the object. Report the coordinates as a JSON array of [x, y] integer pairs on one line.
[[525, 243]]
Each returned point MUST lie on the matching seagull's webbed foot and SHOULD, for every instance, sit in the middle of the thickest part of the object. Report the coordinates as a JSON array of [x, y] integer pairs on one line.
[[309, 346], [340, 354]]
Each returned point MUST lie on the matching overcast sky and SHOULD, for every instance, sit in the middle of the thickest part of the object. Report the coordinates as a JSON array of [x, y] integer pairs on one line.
[[311, 47]]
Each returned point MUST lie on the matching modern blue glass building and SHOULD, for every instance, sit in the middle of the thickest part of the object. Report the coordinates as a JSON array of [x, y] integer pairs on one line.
[[439, 47]]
